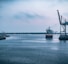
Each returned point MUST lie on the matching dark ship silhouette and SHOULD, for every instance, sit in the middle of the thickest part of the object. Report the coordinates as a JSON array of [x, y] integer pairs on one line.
[[49, 33], [3, 36]]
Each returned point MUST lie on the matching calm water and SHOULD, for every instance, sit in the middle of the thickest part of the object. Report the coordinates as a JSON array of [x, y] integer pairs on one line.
[[33, 49]]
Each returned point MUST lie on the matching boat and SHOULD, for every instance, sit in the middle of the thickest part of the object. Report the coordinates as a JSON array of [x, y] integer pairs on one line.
[[63, 37], [49, 33], [2, 37], [4, 34]]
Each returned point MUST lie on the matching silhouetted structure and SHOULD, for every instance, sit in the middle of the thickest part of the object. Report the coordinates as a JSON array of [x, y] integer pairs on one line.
[[63, 34], [49, 33], [2, 37]]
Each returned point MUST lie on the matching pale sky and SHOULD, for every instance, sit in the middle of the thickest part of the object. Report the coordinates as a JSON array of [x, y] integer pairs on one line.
[[31, 15]]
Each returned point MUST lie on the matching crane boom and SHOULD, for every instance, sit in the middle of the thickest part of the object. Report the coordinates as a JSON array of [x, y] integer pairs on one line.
[[60, 18]]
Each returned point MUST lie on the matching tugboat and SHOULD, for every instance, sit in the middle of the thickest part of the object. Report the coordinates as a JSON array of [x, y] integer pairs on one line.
[[49, 33]]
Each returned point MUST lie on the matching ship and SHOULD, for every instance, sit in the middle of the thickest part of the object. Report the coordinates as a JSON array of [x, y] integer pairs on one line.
[[2, 37], [49, 33], [63, 37], [4, 34]]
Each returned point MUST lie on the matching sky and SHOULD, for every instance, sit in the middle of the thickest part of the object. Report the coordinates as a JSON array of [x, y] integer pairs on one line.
[[31, 15]]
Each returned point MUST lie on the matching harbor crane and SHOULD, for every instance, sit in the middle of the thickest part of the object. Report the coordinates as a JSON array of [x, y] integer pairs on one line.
[[63, 36]]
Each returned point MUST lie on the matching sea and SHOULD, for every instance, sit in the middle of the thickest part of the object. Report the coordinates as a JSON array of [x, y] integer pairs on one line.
[[33, 49]]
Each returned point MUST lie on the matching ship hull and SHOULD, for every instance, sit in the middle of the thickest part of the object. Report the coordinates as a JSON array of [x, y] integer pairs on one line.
[[2, 38], [49, 36], [63, 37]]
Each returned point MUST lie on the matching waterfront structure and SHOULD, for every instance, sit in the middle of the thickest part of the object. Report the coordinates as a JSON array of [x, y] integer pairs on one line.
[[63, 34]]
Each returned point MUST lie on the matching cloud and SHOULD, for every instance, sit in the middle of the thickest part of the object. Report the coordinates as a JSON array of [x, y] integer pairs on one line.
[[63, 0], [6, 0], [27, 16], [35, 0], [40, 13]]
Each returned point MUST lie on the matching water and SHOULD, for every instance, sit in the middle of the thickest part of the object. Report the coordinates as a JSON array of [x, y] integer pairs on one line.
[[33, 49]]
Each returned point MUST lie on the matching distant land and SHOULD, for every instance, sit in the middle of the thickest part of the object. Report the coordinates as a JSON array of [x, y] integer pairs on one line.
[[29, 33]]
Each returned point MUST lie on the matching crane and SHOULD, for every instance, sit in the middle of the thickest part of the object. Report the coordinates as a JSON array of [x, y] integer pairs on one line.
[[63, 24]]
